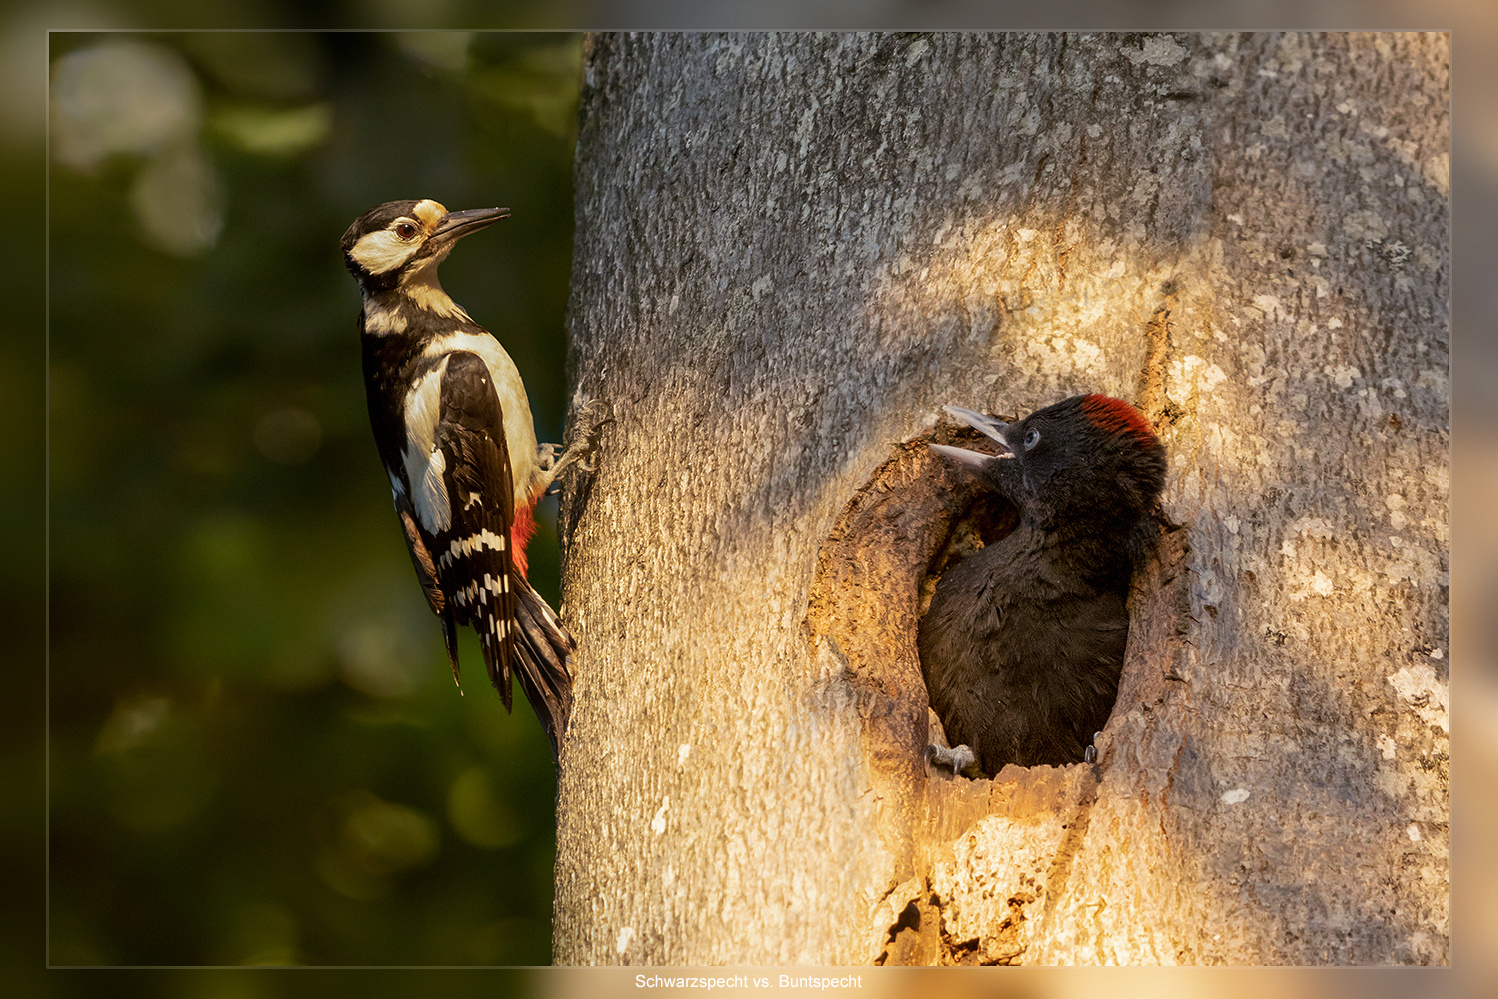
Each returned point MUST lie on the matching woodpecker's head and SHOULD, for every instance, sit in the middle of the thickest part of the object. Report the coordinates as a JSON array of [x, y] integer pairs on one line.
[[400, 243], [1090, 456]]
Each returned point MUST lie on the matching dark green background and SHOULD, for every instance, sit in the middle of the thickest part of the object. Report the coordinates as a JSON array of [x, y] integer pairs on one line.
[[256, 750]]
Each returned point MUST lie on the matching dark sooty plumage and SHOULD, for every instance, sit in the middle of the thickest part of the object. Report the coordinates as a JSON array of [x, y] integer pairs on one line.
[[1024, 640]]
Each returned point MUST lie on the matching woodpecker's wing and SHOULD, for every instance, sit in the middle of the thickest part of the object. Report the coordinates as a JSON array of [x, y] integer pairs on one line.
[[426, 574], [474, 560], [421, 556], [518, 631]]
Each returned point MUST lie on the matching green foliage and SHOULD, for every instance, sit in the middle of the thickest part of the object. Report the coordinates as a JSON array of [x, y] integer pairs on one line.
[[257, 754]]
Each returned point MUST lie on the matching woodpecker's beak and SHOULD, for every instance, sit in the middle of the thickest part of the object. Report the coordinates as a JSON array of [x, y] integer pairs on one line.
[[985, 425], [455, 225], [962, 454]]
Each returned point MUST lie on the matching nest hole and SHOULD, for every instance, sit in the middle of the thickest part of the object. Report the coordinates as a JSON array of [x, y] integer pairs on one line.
[[915, 518]]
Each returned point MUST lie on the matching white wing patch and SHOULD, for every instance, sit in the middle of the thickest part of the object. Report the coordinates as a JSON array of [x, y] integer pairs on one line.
[[425, 463], [459, 547], [520, 434], [431, 497]]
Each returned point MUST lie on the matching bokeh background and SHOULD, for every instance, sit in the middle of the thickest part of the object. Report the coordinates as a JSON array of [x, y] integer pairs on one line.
[[258, 755]]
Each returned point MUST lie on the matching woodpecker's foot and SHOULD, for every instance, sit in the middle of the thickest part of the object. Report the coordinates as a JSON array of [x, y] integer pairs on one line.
[[546, 458], [582, 436], [579, 445], [959, 759], [1089, 755]]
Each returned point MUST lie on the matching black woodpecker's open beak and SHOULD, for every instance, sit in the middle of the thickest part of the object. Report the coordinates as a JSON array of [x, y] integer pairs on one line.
[[985, 425], [455, 225]]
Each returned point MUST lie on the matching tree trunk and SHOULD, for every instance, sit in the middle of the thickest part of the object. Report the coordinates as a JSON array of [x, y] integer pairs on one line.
[[791, 251]]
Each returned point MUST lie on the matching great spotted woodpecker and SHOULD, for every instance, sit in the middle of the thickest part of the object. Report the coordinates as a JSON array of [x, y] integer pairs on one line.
[[454, 432], [1024, 640]]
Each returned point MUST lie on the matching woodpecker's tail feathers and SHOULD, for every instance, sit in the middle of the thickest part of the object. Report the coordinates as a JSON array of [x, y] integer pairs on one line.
[[545, 671], [450, 638], [541, 652]]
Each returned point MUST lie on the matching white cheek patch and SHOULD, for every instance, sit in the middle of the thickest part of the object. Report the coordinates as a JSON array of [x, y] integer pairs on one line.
[[381, 252], [424, 462]]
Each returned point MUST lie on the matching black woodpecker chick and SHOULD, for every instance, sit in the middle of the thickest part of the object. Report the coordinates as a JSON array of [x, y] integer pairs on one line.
[[1024, 640], [454, 432]]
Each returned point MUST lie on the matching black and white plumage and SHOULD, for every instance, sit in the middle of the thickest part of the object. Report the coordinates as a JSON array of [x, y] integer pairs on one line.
[[454, 431], [1024, 640]]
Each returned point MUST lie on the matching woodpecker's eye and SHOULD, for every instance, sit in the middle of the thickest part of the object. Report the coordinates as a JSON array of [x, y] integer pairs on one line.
[[1032, 438], [405, 230]]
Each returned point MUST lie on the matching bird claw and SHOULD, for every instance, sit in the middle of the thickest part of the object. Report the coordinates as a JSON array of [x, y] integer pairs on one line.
[[546, 456], [1089, 755], [959, 759], [580, 444]]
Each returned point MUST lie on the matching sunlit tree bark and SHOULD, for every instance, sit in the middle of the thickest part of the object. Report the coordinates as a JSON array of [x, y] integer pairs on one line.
[[791, 251]]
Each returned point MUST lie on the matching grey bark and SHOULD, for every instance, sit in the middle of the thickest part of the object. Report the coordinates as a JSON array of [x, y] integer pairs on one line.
[[791, 251]]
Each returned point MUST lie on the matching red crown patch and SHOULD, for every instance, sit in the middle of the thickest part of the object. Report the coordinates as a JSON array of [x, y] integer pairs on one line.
[[1117, 417]]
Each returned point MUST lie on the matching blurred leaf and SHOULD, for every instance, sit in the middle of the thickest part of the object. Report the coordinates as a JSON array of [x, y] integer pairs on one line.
[[178, 201], [372, 839], [282, 66], [131, 724], [443, 49], [273, 131], [262, 933], [542, 82], [479, 815], [163, 777], [121, 96]]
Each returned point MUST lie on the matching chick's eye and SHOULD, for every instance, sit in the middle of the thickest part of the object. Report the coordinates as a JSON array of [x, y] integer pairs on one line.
[[405, 230], [1032, 438]]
